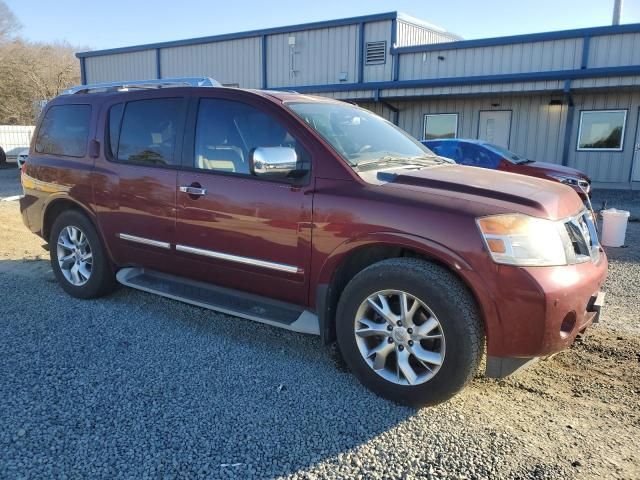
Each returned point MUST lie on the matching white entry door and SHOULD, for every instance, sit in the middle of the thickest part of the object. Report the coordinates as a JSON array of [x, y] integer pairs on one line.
[[494, 126]]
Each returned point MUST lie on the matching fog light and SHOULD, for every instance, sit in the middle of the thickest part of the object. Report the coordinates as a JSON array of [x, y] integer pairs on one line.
[[568, 324]]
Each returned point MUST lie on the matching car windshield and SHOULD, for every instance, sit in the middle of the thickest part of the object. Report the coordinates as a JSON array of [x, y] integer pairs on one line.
[[363, 138], [508, 154]]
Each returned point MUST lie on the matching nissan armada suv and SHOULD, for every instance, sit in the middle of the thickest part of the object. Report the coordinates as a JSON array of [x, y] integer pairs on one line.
[[315, 216]]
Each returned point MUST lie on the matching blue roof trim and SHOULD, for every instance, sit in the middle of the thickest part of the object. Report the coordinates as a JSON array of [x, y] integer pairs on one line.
[[530, 37], [474, 80], [248, 34]]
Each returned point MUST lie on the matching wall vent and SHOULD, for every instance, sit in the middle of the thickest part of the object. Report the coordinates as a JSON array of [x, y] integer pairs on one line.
[[376, 53]]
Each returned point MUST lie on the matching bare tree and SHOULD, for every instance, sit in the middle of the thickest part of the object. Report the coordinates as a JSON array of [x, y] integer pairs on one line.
[[9, 24], [31, 73]]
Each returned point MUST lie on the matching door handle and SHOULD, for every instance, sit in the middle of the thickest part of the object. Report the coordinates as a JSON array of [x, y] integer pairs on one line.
[[192, 190]]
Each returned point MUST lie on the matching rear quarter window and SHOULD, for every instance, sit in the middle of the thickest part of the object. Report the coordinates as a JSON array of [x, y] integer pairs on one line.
[[64, 131]]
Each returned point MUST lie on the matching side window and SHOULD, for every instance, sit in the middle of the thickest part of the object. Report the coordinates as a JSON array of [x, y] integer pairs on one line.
[[227, 132], [115, 120], [487, 159], [148, 131], [449, 150], [64, 131], [477, 156]]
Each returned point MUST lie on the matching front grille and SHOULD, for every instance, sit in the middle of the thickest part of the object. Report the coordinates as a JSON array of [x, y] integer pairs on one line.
[[582, 239]]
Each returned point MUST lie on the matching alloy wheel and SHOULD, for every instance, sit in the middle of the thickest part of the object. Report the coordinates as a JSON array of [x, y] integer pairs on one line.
[[75, 256], [399, 337]]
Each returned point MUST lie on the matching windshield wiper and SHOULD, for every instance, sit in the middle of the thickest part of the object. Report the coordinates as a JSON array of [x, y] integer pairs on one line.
[[422, 160]]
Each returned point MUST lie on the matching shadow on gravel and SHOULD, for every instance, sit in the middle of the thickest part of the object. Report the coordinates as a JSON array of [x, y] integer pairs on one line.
[[137, 385]]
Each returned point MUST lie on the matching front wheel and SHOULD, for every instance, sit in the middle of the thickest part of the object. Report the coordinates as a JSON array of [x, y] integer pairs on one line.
[[410, 331], [78, 258]]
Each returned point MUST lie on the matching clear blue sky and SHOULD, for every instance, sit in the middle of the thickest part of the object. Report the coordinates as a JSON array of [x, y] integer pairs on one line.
[[116, 23]]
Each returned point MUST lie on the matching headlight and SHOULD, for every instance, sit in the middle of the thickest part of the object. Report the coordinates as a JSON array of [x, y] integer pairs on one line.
[[517, 239], [572, 182]]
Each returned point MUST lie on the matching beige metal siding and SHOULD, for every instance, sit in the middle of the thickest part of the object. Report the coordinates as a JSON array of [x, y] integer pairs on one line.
[[606, 166], [537, 128], [477, 89], [318, 57], [410, 34], [502, 59], [378, 109], [614, 50], [229, 62], [378, 32], [605, 82], [348, 95], [121, 66]]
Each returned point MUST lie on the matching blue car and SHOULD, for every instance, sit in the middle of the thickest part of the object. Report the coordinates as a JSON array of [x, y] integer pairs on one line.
[[478, 153]]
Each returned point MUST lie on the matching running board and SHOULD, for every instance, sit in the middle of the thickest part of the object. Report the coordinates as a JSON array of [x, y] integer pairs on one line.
[[224, 300]]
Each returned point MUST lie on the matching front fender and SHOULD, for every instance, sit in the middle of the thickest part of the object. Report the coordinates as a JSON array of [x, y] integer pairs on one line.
[[422, 246]]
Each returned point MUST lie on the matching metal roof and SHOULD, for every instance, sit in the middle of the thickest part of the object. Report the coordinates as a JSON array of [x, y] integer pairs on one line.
[[268, 31]]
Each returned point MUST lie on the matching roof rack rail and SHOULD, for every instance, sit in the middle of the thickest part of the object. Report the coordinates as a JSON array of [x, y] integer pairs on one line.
[[156, 83]]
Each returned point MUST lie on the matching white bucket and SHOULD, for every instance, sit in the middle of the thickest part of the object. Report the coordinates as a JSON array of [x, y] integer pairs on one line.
[[614, 227]]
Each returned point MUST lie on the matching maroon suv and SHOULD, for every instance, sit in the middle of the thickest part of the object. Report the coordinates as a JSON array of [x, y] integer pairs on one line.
[[315, 216]]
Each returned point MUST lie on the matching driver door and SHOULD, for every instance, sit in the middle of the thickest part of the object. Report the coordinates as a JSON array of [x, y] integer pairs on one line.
[[235, 229]]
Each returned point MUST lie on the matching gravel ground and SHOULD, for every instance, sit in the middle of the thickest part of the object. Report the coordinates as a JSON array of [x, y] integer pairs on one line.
[[621, 199], [137, 386], [9, 180]]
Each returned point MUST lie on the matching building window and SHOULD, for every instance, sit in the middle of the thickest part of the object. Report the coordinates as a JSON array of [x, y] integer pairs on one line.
[[602, 130], [440, 125]]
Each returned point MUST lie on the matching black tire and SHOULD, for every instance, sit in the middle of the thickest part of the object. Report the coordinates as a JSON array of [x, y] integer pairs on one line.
[[3, 157], [102, 280], [449, 300]]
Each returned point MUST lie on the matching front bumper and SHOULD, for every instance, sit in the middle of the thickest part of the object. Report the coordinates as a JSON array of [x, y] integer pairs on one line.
[[541, 310], [499, 367]]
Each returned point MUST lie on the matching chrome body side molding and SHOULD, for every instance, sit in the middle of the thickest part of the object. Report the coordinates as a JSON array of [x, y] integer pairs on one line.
[[238, 259], [144, 241]]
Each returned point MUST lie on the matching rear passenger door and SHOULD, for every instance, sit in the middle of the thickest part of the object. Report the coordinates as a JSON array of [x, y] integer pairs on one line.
[[242, 231], [135, 181]]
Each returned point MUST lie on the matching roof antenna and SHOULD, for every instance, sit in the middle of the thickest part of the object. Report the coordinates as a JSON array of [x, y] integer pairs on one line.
[[617, 12]]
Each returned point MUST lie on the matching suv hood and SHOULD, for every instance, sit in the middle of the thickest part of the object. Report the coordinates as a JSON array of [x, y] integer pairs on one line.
[[504, 192]]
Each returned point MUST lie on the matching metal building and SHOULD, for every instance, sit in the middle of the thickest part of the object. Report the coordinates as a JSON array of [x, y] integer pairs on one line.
[[570, 97]]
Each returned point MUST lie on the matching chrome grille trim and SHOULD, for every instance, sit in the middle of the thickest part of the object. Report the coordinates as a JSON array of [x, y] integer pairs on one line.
[[581, 230]]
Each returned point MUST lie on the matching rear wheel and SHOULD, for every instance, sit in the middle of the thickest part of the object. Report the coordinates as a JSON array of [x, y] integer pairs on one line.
[[78, 257], [410, 331]]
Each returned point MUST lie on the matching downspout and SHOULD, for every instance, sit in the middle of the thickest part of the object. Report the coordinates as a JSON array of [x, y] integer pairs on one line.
[[264, 62], [395, 57], [361, 27], [384, 103], [568, 128], [158, 65], [83, 71]]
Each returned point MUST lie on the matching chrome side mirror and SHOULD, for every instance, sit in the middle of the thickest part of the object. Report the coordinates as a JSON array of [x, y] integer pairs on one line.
[[276, 161]]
